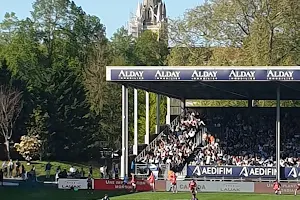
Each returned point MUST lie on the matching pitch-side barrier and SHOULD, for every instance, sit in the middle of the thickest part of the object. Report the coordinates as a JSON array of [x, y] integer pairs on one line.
[[233, 186]]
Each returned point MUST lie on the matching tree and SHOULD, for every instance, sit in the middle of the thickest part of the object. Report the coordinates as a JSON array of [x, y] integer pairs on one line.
[[29, 147], [94, 76], [182, 56], [8, 27], [122, 48], [150, 51], [263, 31], [37, 131], [239, 32], [70, 121], [10, 108]]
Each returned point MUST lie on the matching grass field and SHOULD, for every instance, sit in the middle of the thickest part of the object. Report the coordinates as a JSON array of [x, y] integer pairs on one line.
[[202, 196], [40, 168], [55, 194]]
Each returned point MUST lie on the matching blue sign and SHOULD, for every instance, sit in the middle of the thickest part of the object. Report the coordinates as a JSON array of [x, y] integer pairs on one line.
[[241, 172], [202, 74], [292, 172], [228, 171]]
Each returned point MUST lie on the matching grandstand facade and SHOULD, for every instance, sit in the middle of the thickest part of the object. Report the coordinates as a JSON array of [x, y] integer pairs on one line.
[[201, 144]]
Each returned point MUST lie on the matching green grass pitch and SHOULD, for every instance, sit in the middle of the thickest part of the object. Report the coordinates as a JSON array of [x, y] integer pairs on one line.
[[55, 194]]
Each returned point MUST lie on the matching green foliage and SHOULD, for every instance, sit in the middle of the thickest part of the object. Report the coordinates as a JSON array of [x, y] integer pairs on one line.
[[262, 32], [48, 52], [59, 56], [122, 48], [181, 56], [37, 127], [146, 50], [219, 103], [150, 51], [94, 78], [237, 33]]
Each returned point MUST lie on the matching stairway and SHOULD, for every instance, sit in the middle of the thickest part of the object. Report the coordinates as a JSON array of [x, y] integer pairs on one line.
[[158, 137], [197, 139]]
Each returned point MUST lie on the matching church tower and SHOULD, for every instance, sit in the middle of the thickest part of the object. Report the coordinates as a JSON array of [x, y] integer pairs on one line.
[[150, 15]]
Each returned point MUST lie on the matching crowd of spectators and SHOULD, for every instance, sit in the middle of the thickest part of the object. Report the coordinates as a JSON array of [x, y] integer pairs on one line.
[[177, 144], [248, 139]]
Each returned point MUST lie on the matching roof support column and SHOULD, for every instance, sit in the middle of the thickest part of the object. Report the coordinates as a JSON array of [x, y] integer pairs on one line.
[[278, 133], [182, 106], [250, 103], [135, 121], [168, 116], [147, 135], [124, 157], [157, 113]]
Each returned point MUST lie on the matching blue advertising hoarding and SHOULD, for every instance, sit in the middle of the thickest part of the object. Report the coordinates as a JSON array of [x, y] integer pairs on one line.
[[202, 74], [240, 172]]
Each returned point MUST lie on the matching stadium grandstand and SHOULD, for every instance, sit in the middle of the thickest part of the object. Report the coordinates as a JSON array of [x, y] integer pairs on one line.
[[217, 143]]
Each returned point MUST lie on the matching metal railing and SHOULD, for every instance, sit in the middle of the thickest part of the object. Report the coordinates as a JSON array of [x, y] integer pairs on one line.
[[198, 137], [241, 180], [141, 170], [183, 173], [153, 143]]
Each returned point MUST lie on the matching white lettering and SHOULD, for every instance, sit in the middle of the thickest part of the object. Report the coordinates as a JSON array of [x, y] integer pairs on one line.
[[212, 171], [231, 188], [109, 182], [204, 75], [242, 75], [257, 172], [294, 173], [280, 75], [131, 75], [167, 75]]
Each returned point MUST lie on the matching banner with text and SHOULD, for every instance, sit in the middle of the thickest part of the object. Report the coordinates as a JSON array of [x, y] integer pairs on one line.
[[201, 74], [214, 186], [117, 184], [238, 172], [267, 188], [81, 184]]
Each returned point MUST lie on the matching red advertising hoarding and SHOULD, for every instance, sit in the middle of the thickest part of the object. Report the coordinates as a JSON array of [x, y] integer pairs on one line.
[[267, 188], [116, 184]]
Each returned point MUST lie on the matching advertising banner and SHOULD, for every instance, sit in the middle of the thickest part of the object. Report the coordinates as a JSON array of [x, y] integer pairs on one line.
[[292, 172], [267, 188], [201, 74], [117, 184], [5, 183], [80, 184], [231, 171], [215, 186]]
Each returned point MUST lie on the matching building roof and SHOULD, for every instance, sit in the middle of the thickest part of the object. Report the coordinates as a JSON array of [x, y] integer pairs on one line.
[[240, 83]]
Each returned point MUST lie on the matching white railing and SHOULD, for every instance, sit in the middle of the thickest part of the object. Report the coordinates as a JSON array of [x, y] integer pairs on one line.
[[153, 143], [181, 175], [142, 170], [198, 137]]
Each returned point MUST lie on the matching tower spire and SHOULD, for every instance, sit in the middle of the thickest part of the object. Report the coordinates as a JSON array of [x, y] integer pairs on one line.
[[150, 15], [138, 11]]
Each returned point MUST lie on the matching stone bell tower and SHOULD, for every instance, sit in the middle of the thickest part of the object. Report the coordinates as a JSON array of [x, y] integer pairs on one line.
[[150, 15]]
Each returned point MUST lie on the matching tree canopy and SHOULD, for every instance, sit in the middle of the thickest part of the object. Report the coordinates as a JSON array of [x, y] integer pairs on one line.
[[56, 59]]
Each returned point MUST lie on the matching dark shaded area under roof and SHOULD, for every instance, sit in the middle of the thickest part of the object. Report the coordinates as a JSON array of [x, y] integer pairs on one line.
[[243, 90]]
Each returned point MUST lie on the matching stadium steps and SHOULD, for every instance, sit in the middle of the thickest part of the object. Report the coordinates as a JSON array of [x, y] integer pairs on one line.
[[158, 137], [192, 157]]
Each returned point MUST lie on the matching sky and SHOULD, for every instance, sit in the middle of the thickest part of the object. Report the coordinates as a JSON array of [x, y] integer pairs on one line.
[[113, 13]]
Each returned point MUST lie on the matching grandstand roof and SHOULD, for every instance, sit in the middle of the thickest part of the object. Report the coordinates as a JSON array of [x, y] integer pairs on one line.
[[203, 82]]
